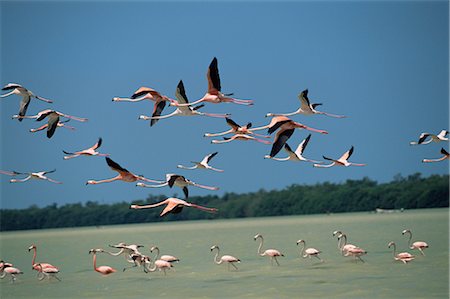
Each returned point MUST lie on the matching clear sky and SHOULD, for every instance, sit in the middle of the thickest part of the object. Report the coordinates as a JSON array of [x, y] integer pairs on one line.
[[383, 64]]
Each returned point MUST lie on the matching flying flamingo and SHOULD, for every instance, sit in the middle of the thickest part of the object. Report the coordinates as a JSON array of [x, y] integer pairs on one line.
[[402, 256], [420, 245], [129, 251], [41, 175], [203, 164], [342, 161], [179, 181], [25, 94], [124, 175], [51, 129], [138, 260], [146, 93], [174, 206], [87, 152], [433, 138], [296, 156], [40, 266], [47, 272], [306, 108], [185, 110], [105, 270], [11, 173], [158, 264], [230, 260], [445, 156], [214, 94], [9, 270], [165, 257], [271, 253], [309, 252], [236, 129], [48, 112], [243, 137]]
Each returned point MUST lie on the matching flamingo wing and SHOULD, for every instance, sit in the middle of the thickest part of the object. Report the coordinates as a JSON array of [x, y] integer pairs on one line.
[[301, 147], [157, 109], [347, 154], [180, 93], [114, 166], [303, 97], [173, 206], [208, 158], [278, 124], [213, 77], [281, 141], [422, 137], [24, 106], [232, 123], [444, 152], [143, 91], [52, 125]]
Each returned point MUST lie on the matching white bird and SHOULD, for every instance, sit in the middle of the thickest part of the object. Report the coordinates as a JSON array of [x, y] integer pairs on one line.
[[158, 264], [296, 156], [342, 161], [433, 138], [404, 257], [445, 156], [41, 175], [25, 94], [164, 257], [243, 137], [309, 252], [419, 245], [92, 151], [44, 113], [230, 260], [236, 129], [203, 164], [181, 97], [271, 253], [306, 108]]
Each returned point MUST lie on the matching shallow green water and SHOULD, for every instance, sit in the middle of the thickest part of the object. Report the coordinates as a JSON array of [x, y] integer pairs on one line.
[[196, 276]]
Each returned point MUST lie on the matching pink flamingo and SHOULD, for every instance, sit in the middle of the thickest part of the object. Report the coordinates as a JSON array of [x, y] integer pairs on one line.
[[306, 108], [158, 264], [296, 156], [9, 270], [174, 206], [52, 114], [236, 129], [243, 137], [230, 260], [342, 242], [41, 175], [92, 151], [402, 256], [214, 94], [165, 257], [419, 245], [105, 270], [445, 156], [51, 129], [47, 272], [271, 253], [38, 266], [146, 93], [433, 137], [203, 164], [356, 253], [124, 175], [342, 161], [25, 94], [309, 252]]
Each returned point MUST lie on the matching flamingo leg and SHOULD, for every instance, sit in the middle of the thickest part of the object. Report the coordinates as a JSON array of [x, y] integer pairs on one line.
[[218, 134], [43, 99], [213, 114]]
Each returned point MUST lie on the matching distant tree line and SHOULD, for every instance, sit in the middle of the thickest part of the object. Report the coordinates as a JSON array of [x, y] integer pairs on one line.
[[410, 192]]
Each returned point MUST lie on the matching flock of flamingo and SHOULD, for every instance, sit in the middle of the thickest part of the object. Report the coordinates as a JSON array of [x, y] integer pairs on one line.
[[280, 123]]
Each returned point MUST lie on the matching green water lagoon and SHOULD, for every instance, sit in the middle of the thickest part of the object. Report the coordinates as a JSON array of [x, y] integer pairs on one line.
[[197, 276]]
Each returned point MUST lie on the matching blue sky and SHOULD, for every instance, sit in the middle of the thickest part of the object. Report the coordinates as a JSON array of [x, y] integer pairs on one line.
[[383, 64]]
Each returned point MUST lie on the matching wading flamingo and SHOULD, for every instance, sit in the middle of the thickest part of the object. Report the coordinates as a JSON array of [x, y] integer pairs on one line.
[[124, 175], [41, 265], [342, 161], [92, 151], [402, 256], [158, 264], [419, 245], [174, 206], [165, 257], [243, 137], [356, 253], [235, 129], [306, 108], [203, 164], [9, 270], [105, 270], [445, 156], [41, 175], [296, 156], [4, 264], [179, 181], [146, 93], [127, 250], [271, 253], [138, 260], [25, 94], [47, 272], [181, 97], [230, 260], [214, 94], [309, 252], [433, 138], [51, 129], [342, 242]]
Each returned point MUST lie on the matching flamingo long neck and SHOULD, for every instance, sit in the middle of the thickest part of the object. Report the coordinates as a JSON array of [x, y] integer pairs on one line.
[[394, 250], [303, 249], [409, 240], [157, 253], [340, 243], [94, 261], [34, 256], [260, 246], [216, 258]]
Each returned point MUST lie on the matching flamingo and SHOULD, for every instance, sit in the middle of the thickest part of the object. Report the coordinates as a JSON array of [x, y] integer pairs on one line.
[[203, 164], [10, 173], [25, 94], [236, 129], [52, 113], [104, 270], [271, 253], [342, 161], [129, 251], [138, 260], [184, 110], [230, 260], [52, 128], [146, 93], [402, 256], [158, 264], [37, 266], [419, 245], [342, 243], [47, 272], [445, 156], [4, 264], [296, 156], [243, 137], [165, 257], [356, 253], [179, 181], [124, 175], [174, 206], [214, 94], [306, 108], [9, 270], [41, 175], [309, 252], [433, 138], [87, 152]]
